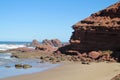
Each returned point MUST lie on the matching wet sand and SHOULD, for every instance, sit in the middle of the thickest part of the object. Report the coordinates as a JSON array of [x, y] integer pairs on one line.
[[75, 71]]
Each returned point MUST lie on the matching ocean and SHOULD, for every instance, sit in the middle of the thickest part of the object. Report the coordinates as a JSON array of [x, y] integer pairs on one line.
[[6, 60], [4, 45], [14, 42]]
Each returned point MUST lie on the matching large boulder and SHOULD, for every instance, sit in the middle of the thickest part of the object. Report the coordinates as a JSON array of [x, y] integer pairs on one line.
[[24, 66], [94, 54]]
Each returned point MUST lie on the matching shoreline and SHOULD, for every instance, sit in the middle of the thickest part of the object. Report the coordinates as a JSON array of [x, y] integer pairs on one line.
[[8, 68], [12, 72], [75, 71]]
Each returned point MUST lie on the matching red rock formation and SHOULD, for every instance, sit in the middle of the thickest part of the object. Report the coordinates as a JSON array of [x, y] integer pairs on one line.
[[44, 47], [94, 54], [100, 31], [35, 43], [47, 45], [53, 42]]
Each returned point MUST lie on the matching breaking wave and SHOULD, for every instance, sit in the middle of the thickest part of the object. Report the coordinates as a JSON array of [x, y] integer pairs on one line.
[[10, 46]]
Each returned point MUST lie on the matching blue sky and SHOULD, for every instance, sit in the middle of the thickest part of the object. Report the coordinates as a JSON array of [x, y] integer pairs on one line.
[[25, 20]]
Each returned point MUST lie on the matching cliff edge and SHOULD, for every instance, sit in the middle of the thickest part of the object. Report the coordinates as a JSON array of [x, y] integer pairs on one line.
[[100, 31]]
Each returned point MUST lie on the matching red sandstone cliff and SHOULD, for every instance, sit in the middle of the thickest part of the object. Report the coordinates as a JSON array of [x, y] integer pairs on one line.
[[100, 31]]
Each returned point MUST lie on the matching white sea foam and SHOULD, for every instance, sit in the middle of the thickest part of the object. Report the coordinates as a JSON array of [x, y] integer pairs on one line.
[[10, 46], [5, 56]]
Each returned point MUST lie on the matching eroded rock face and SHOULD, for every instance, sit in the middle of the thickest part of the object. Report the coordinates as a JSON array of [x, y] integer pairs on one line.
[[35, 43], [100, 31], [53, 42], [44, 47], [47, 45]]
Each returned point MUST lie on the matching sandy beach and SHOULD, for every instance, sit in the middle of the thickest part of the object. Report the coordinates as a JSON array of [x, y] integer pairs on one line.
[[75, 71]]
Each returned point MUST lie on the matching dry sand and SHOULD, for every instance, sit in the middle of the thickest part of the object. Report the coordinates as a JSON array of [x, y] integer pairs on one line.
[[75, 71]]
